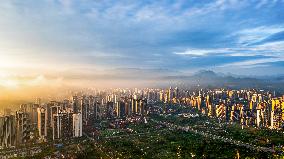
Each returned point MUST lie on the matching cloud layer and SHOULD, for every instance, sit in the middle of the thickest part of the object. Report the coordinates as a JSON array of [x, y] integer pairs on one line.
[[51, 37]]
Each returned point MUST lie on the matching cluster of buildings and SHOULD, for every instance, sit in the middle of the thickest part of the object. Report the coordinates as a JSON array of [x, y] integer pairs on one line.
[[38, 123], [56, 120], [257, 108], [252, 107]]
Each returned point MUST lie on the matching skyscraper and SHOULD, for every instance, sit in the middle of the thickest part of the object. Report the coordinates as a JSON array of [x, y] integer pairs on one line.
[[77, 125], [66, 124], [42, 122], [7, 131], [23, 127], [84, 109], [110, 109], [75, 104]]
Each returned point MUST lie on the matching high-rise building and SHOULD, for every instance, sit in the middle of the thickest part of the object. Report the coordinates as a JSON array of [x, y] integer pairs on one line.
[[23, 127], [176, 93], [143, 107], [161, 96], [84, 109], [7, 131], [272, 119], [77, 125], [75, 104], [133, 105], [66, 125], [42, 122], [110, 106], [56, 126], [96, 110], [128, 107], [91, 102], [32, 114], [62, 125], [170, 94], [122, 108], [221, 111], [258, 117], [55, 109], [38, 101]]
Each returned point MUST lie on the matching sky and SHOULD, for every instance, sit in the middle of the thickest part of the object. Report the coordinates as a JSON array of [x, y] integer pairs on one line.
[[48, 42]]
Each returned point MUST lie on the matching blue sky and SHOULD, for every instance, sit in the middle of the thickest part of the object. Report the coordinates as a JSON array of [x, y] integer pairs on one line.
[[244, 37]]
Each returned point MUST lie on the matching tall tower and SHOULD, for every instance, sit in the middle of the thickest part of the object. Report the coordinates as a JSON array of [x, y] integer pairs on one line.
[[170, 94], [77, 125], [7, 131], [56, 126], [97, 110], [75, 104], [42, 122], [23, 127], [84, 109], [258, 117], [176, 94]]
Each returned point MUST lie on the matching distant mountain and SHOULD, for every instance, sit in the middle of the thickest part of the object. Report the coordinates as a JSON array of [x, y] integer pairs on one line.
[[143, 77], [206, 74], [207, 78]]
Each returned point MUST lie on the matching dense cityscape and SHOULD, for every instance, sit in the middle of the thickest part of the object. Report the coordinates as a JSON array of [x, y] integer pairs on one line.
[[108, 123], [144, 79]]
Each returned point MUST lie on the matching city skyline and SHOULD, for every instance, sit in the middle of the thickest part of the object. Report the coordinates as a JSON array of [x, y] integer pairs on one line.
[[108, 123], [73, 42], [141, 79]]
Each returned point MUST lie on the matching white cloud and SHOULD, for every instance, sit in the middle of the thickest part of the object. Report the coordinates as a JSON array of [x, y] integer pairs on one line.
[[271, 47], [219, 5], [275, 49], [252, 63], [111, 27], [253, 35], [203, 52]]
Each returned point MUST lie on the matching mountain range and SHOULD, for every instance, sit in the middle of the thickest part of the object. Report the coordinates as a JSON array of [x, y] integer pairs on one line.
[[207, 78]]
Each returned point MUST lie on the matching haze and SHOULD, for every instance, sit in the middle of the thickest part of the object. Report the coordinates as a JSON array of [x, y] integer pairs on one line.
[[62, 44]]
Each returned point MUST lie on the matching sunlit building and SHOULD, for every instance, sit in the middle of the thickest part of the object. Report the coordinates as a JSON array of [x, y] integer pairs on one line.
[[42, 122], [77, 125]]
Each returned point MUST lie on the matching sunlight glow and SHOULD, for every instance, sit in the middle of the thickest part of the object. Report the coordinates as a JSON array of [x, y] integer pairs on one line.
[[8, 83]]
